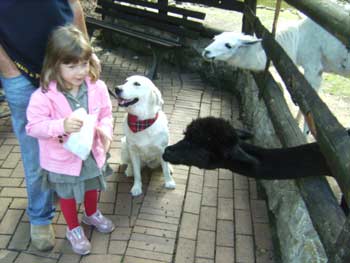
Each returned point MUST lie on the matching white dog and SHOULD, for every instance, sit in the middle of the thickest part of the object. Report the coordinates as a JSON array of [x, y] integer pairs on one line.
[[145, 128]]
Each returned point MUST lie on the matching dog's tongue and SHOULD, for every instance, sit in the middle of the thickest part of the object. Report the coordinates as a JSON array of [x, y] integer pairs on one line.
[[126, 103], [122, 102]]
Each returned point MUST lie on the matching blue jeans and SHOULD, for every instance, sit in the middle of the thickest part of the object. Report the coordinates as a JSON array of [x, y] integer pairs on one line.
[[40, 204]]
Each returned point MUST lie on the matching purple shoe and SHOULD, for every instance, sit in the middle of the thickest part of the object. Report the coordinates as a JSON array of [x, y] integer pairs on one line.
[[80, 244], [102, 223]]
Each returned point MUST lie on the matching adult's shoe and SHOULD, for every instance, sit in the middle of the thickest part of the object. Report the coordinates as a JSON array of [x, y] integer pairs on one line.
[[42, 236]]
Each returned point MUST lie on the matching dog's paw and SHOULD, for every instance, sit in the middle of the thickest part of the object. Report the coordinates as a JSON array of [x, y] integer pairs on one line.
[[170, 184], [136, 190]]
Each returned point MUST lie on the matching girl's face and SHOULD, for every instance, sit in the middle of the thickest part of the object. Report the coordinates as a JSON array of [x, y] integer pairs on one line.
[[74, 73]]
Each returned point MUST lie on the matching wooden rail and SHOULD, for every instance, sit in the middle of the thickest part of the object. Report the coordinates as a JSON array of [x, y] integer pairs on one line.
[[324, 210], [330, 134]]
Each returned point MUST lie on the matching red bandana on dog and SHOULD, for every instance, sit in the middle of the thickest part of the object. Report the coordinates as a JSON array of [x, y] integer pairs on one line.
[[135, 125]]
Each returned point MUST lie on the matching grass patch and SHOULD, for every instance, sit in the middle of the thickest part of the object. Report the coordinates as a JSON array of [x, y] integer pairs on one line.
[[336, 85], [272, 3]]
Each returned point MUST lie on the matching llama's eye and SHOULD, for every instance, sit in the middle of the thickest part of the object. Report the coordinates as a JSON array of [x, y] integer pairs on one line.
[[137, 83], [228, 45]]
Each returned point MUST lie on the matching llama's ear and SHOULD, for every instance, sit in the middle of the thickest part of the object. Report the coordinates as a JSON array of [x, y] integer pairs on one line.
[[249, 42], [238, 154], [244, 134]]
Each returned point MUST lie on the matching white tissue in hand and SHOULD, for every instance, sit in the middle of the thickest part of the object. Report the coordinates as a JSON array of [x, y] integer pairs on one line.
[[80, 143]]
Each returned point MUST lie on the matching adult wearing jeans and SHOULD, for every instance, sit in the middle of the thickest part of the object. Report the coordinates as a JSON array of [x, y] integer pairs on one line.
[[24, 30]]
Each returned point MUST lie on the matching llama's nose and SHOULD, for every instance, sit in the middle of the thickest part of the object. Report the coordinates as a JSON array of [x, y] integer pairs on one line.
[[118, 90]]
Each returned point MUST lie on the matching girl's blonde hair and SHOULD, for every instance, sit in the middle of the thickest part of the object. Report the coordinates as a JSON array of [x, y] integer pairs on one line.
[[66, 45]]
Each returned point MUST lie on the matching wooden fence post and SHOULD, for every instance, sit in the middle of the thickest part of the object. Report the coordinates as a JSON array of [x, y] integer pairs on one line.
[[246, 26]]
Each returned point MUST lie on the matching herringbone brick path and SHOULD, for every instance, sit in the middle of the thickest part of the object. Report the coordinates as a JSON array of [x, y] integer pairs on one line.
[[211, 216]]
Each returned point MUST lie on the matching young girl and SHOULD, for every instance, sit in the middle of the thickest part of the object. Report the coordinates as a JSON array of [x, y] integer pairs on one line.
[[69, 81]]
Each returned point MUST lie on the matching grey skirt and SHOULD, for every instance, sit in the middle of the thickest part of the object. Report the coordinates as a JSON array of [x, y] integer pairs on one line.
[[67, 187]]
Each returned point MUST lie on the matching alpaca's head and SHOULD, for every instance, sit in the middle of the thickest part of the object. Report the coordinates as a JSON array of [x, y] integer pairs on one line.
[[209, 143], [227, 45]]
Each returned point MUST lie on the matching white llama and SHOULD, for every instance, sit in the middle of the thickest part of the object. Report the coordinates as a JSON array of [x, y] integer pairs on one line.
[[306, 43]]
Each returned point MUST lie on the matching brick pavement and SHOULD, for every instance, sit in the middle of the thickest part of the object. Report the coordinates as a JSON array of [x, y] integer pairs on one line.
[[211, 216]]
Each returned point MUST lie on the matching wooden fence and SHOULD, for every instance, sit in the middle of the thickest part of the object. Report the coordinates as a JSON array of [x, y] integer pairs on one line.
[[326, 215]]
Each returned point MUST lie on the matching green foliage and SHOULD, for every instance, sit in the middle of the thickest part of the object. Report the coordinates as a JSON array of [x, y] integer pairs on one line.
[[336, 85]]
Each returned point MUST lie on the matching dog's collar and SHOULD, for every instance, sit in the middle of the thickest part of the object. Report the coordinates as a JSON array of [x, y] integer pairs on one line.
[[136, 125]]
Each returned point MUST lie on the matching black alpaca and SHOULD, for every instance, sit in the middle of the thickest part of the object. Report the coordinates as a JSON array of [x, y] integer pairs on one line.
[[211, 143]]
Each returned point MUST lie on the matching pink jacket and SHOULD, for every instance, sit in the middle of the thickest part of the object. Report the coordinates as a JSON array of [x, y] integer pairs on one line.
[[46, 113]]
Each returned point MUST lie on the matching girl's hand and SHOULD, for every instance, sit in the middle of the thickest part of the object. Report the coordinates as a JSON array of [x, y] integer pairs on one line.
[[106, 141], [72, 124]]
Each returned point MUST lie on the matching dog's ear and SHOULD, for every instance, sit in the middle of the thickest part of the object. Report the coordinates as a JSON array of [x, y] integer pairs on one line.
[[157, 97]]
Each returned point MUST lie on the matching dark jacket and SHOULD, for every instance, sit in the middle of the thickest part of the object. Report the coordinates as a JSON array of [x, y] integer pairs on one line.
[[25, 26]]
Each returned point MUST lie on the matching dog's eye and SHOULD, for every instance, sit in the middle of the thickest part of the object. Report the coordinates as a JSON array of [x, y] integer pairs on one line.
[[228, 45], [137, 83]]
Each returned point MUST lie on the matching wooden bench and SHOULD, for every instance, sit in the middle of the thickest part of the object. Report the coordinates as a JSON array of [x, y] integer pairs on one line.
[[134, 18]]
